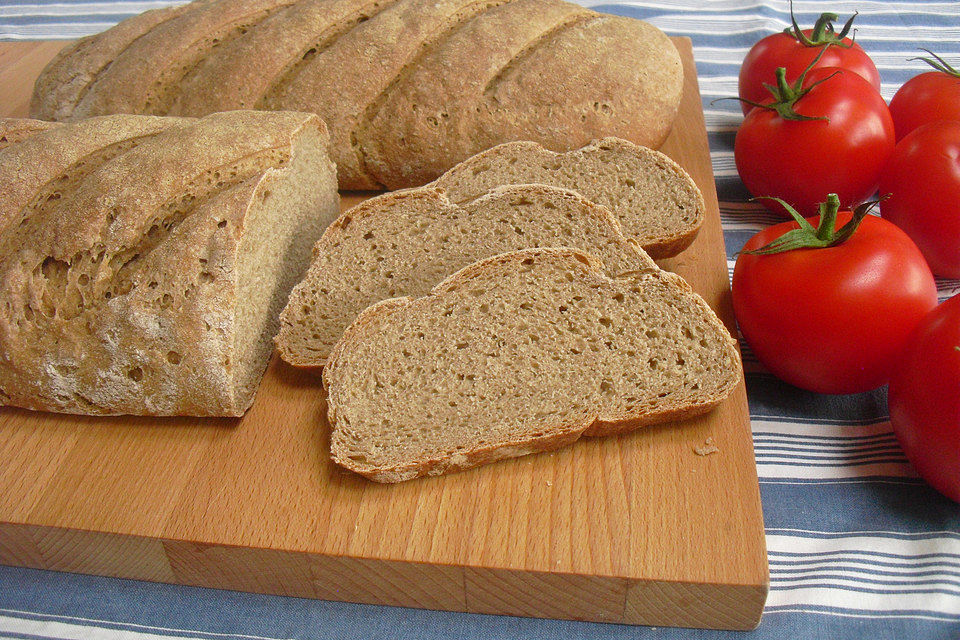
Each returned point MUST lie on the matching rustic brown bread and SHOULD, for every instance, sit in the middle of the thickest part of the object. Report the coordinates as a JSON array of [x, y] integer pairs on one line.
[[520, 353], [144, 260], [656, 202], [15, 130], [408, 87], [404, 243]]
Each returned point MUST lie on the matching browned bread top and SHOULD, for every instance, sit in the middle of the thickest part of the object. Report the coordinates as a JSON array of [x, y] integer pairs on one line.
[[407, 87]]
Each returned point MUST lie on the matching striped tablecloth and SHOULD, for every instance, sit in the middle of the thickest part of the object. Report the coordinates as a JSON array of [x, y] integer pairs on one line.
[[859, 547]]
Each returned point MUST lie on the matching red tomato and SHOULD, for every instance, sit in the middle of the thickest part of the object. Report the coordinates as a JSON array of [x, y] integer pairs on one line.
[[925, 399], [923, 180], [786, 50], [801, 160], [832, 320], [928, 97]]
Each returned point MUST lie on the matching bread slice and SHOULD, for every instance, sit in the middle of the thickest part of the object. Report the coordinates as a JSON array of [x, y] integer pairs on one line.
[[404, 243], [519, 353], [656, 202], [144, 261]]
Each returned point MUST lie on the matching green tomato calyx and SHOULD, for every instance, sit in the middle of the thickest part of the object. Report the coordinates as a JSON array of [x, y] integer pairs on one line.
[[823, 32], [938, 63], [786, 95], [824, 235]]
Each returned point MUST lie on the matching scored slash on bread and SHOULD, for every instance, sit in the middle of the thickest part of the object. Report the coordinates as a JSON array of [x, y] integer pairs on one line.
[[403, 243], [656, 202], [519, 353], [144, 260], [408, 88]]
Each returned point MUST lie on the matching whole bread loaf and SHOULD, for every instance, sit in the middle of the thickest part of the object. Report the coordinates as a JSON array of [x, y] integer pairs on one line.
[[144, 260], [408, 88], [519, 353], [403, 243]]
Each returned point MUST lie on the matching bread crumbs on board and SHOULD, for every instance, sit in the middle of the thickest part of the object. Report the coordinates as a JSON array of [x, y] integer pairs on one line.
[[707, 448]]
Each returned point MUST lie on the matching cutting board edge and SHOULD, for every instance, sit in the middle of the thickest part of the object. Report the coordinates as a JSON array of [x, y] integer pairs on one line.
[[461, 588]]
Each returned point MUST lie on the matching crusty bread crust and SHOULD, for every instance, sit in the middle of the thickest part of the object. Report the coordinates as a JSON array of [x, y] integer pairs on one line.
[[375, 318], [120, 257], [14, 130], [407, 87]]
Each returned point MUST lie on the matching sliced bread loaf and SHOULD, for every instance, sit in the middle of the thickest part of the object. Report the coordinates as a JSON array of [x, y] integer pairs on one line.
[[144, 260], [519, 353], [656, 202], [404, 243]]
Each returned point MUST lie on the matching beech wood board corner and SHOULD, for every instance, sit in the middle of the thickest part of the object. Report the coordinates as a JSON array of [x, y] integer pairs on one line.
[[633, 529]]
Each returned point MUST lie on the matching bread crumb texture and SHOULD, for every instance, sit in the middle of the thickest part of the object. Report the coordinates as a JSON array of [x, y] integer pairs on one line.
[[520, 353], [144, 260], [404, 243], [656, 202]]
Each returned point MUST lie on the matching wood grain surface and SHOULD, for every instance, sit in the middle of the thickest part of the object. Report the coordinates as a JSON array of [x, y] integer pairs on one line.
[[635, 529]]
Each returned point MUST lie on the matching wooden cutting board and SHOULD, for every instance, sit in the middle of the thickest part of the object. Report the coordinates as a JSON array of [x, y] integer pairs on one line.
[[635, 529]]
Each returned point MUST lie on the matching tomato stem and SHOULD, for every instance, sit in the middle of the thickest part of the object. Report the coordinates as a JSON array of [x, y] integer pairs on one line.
[[783, 87], [938, 63], [824, 235], [826, 230], [823, 32]]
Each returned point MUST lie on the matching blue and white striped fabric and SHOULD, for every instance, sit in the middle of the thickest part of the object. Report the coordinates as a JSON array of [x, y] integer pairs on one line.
[[858, 546]]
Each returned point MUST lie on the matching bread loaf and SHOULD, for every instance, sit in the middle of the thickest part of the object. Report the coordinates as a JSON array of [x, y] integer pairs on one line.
[[16, 129], [144, 260], [656, 202], [520, 353], [404, 243], [408, 87]]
